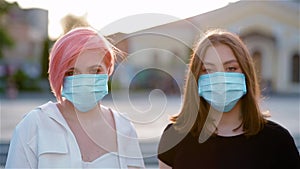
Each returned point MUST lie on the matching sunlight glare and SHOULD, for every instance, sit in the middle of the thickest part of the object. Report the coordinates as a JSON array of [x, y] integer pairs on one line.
[[102, 13]]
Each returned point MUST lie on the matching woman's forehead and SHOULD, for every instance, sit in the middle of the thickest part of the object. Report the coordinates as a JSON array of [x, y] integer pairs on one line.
[[89, 57], [218, 54]]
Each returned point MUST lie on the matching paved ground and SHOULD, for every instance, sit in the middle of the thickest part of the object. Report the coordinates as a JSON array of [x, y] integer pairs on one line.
[[149, 114]]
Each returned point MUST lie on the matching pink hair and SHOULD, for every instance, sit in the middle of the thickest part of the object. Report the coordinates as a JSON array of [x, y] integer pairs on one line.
[[68, 47]]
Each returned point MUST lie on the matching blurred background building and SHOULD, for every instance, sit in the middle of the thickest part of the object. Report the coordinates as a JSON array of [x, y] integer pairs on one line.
[[158, 56], [21, 60], [270, 29]]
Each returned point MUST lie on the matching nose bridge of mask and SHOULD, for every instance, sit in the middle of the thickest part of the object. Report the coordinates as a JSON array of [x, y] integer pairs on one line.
[[88, 82], [227, 81], [87, 79]]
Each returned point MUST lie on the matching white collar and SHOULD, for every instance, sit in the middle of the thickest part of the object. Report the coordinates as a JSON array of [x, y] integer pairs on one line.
[[53, 112]]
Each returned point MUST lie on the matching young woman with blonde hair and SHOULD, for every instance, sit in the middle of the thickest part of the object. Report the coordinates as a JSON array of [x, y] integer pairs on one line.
[[220, 124]]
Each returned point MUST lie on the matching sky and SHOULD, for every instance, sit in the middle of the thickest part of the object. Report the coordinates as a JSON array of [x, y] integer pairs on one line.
[[112, 16]]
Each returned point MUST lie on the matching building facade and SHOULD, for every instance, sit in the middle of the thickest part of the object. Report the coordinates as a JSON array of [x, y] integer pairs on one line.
[[270, 29], [29, 30]]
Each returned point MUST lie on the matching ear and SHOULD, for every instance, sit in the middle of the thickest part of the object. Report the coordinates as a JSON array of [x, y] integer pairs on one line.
[[110, 70]]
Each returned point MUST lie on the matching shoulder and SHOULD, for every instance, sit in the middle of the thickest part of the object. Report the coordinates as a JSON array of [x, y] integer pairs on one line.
[[282, 144], [168, 134], [28, 126], [171, 131], [40, 110], [169, 126], [171, 137], [169, 144], [31, 120], [273, 128]]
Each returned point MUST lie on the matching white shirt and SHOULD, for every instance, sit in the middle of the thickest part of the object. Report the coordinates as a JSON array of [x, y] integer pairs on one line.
[[43, 139], [108, 160]]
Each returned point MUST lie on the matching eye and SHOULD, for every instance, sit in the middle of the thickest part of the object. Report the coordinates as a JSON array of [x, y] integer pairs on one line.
[[231, 69], [203, 71], [97, 71], [69, 73], [207, 70]]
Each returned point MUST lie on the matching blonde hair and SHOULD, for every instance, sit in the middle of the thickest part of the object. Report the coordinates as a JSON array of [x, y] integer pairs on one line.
[[194, 111]]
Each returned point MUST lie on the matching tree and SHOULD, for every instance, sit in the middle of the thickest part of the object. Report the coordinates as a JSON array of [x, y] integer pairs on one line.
[[70, 22], [5, 40], [45, 58]]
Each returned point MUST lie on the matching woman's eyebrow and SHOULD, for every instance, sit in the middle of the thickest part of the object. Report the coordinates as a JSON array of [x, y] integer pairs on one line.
[[96, 66], [208, 64], [225, 63], [230, 61]]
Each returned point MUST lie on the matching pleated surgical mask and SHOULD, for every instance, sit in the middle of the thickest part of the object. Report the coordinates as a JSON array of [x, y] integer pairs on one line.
[[85, 90], [222, 90]]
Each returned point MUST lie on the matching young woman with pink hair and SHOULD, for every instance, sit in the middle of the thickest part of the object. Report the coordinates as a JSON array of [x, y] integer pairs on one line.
[[77, 131]]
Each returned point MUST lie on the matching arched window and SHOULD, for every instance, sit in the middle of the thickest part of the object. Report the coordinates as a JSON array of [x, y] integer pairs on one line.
[[257, 59], [295, 68]]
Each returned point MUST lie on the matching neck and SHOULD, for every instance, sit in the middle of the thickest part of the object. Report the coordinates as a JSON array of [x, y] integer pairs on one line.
[[230, 121], [73, 114]]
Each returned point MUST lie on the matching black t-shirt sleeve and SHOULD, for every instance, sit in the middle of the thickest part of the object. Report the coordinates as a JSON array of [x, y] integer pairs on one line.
[[287, 155], [166, 153]]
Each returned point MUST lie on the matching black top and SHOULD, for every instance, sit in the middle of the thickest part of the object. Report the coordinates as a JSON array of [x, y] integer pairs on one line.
[[273, 147]]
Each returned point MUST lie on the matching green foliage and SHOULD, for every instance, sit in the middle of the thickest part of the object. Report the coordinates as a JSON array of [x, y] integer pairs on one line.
[[45, 58], [5, 6], [21, 81], [5, 40], [25, 83]]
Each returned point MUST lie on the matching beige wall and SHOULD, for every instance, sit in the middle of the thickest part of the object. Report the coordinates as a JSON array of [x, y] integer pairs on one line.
[[274, 22]]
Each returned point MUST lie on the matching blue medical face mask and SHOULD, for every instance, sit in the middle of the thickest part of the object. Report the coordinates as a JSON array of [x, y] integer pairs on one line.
[[222, 90], [85, 90]]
